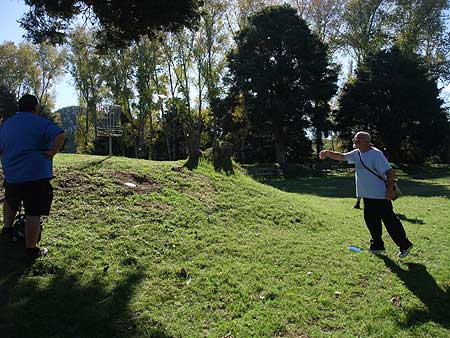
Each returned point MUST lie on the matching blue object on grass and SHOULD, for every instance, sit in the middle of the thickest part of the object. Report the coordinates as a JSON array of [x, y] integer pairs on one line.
[[354, 248]]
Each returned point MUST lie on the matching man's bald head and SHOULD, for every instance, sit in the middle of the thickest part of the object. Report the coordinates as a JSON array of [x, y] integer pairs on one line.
[[363, 136], [362, 140]]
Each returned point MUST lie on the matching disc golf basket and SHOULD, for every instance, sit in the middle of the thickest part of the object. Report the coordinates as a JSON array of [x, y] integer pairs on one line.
[[108, 122]]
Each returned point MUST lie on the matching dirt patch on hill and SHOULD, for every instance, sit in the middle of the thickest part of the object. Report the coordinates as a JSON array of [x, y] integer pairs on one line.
[[72, 180], [143, 184]]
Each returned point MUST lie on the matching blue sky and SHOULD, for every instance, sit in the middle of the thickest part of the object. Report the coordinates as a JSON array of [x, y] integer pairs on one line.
[[10, 30]]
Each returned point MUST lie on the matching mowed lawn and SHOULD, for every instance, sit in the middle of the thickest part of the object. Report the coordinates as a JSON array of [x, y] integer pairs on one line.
[[204, 254]]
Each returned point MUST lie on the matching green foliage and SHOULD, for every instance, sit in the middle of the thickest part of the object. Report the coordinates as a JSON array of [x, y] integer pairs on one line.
[[394, 99], [120, 22], [201, 254], [8, 103], [283, 74]]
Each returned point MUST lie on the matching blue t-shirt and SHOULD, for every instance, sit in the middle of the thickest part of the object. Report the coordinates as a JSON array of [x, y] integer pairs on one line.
[[23, 137], [367, 184]]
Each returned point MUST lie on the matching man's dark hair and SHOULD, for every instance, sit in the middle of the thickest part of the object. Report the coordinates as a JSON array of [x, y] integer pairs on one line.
[[28, 103]]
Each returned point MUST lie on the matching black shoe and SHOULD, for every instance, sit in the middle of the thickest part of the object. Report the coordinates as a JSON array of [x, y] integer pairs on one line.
[[377, 250], [356, 206], [34, 253], [404, 253]]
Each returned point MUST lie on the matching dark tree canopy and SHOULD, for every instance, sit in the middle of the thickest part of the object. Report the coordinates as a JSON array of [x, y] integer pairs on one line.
[[120, 21], [395, 99], [8, 103], [283, 74]]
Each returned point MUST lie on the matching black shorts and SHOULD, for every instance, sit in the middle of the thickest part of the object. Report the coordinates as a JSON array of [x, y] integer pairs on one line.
[[37, 197]]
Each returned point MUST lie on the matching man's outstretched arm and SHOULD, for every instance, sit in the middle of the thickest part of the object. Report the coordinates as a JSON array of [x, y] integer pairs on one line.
[[331, 154]]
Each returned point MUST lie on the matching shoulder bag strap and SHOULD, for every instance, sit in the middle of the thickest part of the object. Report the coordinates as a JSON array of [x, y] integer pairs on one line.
[[373, 172]]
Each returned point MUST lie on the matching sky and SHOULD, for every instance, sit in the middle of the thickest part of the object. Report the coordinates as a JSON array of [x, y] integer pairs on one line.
[[65, 93], [10, 30]]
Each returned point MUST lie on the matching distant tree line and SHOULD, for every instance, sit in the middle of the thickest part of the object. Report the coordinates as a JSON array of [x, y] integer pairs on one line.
[[261, 76]]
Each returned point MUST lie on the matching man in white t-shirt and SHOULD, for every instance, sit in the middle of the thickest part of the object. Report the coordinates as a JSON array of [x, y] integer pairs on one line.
[[376, 193]]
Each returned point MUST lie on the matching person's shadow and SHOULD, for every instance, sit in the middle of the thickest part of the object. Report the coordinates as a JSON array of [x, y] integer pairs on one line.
[[419, 281], [66, 305]]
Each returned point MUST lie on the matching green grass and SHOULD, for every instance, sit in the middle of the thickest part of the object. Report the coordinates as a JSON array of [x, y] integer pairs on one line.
[[203, 254]]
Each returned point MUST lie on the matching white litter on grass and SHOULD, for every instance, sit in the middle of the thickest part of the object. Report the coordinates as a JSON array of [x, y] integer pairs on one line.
[[130, 185]]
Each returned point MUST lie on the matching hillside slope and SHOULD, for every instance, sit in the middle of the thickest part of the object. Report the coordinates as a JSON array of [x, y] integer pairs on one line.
[[199, 253]]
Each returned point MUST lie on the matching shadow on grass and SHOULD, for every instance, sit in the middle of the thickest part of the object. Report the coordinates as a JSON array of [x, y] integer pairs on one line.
[[410, 220], [425, 171], [38, 299], [344, 186], [92, 164], [419, 281]]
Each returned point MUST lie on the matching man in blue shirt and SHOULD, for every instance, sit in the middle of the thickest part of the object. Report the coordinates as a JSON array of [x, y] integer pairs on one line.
[[28, 143], [377, 192]]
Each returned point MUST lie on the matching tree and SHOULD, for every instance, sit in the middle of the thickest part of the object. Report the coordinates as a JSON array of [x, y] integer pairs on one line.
[[84, 65], [421, 28], [8, 103], [17, 63], [48, 67], [281, 69], [394, 98], [367, 25], [119, 22], [325, 18]]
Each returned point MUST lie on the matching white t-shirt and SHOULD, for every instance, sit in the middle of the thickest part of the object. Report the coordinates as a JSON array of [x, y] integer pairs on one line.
[[367, 184]]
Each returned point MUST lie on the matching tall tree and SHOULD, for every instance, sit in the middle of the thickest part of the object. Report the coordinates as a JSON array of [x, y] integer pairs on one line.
[[280, 67], [84, 66], [324, 17], [394, 98], [367, 25], [17, 63], [48, 69], [421, 28]]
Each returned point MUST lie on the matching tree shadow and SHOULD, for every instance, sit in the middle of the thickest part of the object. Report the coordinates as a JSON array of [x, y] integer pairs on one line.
[[344, 186], [419, 281], [92, 164], [425, 171], [63, 304], [335, 186]]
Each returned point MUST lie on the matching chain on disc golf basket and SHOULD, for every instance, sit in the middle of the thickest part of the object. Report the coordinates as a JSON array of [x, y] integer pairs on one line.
[[108, 122]]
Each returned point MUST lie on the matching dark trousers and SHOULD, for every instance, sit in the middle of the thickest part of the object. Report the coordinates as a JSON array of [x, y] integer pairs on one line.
[[375, 211]]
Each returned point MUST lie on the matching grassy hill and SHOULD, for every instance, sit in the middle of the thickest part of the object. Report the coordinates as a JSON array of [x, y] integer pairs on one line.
[[202, 254]]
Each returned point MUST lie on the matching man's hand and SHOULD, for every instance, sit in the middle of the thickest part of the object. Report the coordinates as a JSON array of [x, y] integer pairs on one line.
[[334, 155], [323, 154], [389, 194], [49, 154]]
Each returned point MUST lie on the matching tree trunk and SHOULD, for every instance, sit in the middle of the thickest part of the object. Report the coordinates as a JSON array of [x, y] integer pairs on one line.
[[319, 142], [281, 156], [193, 141]]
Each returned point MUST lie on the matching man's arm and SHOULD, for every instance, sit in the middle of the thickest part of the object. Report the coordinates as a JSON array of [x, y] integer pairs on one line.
[[331, 154], [56, 147]]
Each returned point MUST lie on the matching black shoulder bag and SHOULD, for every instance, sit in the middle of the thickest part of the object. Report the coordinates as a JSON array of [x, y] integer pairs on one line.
[[397, 191]]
